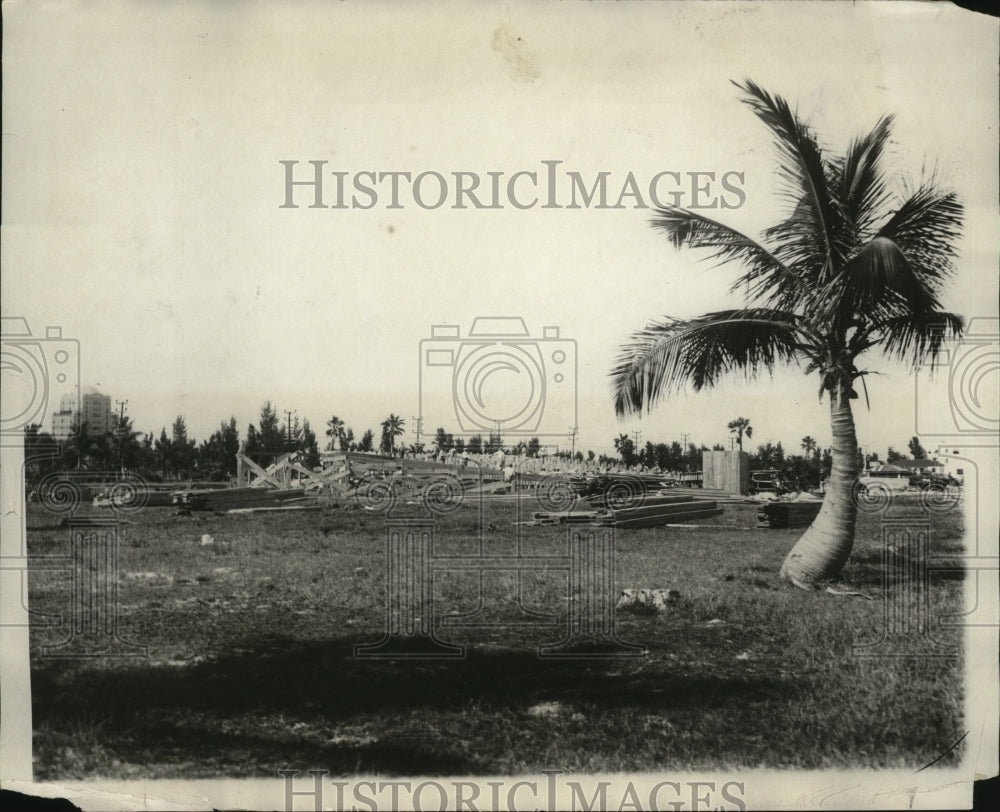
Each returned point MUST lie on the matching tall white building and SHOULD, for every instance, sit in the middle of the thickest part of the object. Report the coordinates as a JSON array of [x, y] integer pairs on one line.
[[94, 410], [63, 420]]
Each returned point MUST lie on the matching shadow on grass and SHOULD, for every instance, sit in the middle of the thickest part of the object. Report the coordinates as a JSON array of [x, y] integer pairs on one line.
[[868, 568], [395, 704]]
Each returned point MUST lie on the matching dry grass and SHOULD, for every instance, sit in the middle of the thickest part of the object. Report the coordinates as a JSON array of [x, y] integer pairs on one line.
[[250, 664]]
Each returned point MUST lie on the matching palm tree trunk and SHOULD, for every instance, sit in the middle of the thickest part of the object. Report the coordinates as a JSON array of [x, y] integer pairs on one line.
[[823, 550]]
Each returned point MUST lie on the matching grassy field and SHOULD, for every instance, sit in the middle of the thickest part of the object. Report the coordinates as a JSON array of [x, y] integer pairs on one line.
[[250, 664]]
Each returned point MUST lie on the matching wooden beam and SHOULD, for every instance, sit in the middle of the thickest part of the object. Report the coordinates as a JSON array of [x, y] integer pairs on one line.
[[256, 469]]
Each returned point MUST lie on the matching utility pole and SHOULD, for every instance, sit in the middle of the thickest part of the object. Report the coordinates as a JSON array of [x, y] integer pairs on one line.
[[636, 435], [572, 439], [288, 416], [121, 433], [684, 440], [418, 422]]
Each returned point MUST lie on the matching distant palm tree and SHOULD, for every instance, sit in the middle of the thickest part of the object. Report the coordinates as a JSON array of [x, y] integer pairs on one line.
[[335, 431], [739, 427], [81, 446], [126, 440], [166, 454], [852, 267], [623, 445], [809, 445], [392, 427]]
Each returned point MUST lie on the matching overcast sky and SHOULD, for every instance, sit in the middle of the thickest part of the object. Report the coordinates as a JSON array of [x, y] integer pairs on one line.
[[143, 191]]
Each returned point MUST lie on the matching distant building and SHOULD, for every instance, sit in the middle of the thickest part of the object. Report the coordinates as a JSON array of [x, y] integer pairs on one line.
[[912, 467], [896, 474], [954, 464], [95, 411], [63, 420]]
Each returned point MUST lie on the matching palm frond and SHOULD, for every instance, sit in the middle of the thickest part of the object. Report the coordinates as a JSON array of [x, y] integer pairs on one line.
[[863, 191], [877, 283], [926, 227], [798, 245], [669, 354], [918, 338], [815, 225], [766, 277]]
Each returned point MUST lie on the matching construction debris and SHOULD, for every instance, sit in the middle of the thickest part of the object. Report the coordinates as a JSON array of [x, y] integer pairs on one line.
[[658, 514], [788, 514], [234, 498], [565, 517], [644, 601], [273, 509], [631, 500], [652, 510]]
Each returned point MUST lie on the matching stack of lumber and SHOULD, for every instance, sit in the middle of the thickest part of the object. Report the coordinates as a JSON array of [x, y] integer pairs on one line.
[[495, 488], [788, 514], [653, 511], [369, 466], [409, 486], [598, 484], [130, 496], [237, 498], [656, 511], [157, 498], [685, 493], [701, 493], [565, 517]]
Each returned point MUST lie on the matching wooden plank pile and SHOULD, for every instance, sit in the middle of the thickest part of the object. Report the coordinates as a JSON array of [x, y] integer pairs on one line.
[[692, 493], [653, 510], [158, 498], [656, 511], [565, 517], [238, 498], [788, 514], [669, 496], [365, 465], [599, 484]]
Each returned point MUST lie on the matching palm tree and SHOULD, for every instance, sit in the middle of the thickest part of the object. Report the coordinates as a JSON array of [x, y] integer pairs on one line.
[[392, 427], [126, 441], [166, 454], [809, 445], [739, 427], [853, 267], [623, 445], [81, 445], [335, 431]]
